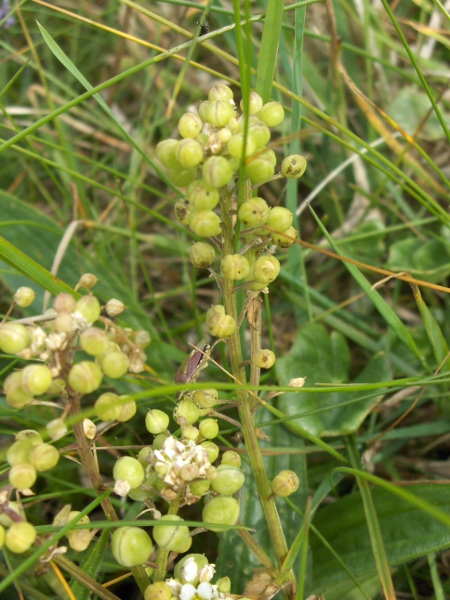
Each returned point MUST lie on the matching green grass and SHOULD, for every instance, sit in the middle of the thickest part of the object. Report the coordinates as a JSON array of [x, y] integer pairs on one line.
[[85, 96]]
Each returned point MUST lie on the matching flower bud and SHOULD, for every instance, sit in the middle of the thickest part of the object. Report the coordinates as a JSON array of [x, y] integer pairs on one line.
[[156, 421], [285, 239], [189, 125], [206, 398], [158, 590], [221, 510], [36, 379], [220, 91], [129, 469], [114, 364], [186, 412], [188, 568], [217, 171], [280, 218], [189, 152], [56, 429], [131, 546], [272, 114], [20, 537], [228, 481], [107, 407], [293, 166], [87, 280], [128, 408], [24, 296], [209, 429], [263, 358], [89, 307], [234, 266], [223, 585], [14, 338], [175, 538], [22, 477], [285, 483], [202, 195], [202, 255], [266, 269], [64, 303], [254, 212], [204, 223], [44, 457], [166, 153], [211, 449], [231, 458], [114, 308], [255, 103], [85, 377]]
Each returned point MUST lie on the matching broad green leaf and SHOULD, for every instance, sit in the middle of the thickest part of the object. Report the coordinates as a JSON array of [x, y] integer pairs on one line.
[[324, 358], [425, 260], [407, 531]]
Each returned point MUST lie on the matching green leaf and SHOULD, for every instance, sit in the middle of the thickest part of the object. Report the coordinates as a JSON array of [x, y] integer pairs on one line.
[[425, 260], [408, 533], [91, 566], [269, 49], [324, 358]]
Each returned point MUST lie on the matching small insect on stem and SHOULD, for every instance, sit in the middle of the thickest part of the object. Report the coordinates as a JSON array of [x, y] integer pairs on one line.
[[190, 369]]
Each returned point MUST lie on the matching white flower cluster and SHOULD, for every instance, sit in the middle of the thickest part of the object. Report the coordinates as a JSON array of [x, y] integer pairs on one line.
[[196, 584], [179, 463]]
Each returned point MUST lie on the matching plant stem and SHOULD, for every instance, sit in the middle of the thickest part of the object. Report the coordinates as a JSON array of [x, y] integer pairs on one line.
[[163, 554]]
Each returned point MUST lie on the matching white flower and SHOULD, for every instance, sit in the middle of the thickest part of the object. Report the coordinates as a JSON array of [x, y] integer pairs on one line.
[[206, 573], [187, 592], [190, 570], [206, 590]]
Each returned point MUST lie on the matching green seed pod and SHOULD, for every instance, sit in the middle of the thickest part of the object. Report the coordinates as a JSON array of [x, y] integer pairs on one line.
[[15, 395], [181, 176], [44, 457], [235, 145], [209, 429], [220, 325], [266, 269], [166, 153], [206, 398], [144, 454], [203, 110], [263, 358], [156, 421], [221, 510], [79, 539], [128, 408], [14, 338], [131, 546], [129, 469], [24, 296], [107, 407], [280, 218], [204, 223], [19, 452], [228, 481], [254, 212], [235, 266], [293, 166], [220, 91], [158, 441], [85, 377], [89, 307], [94, 341], [259, 133], [189, 432], [217, 171], [114, 364], [231, 458], [36, 379], [20, 537], [29, 435], [202, 195], [2, 536], [56, 429], [181, 571], [255, 103], [259, 169], [87, 280], [182, 210], [200, 487], [189, 125], [64, 323], [272, 114], [224, 135], [219, 113], [6, 518], [158, 590], [223, 585], [211, 449], [186, 412], [202, 255], [175, 538], [282, 241], [189, 153], [22, 477], [285, 483]]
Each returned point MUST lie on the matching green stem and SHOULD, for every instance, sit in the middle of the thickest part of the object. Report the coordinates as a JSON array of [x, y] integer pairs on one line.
[[163, 554], [246, 404]]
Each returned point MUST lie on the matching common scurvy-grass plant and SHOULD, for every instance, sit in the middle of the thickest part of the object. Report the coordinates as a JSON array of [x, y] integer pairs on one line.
[[78, 343]]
